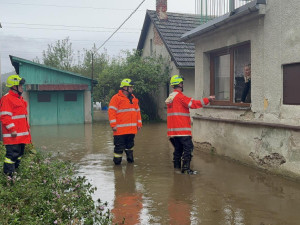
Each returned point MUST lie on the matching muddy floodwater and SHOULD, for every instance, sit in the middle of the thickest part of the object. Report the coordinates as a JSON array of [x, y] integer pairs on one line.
[[151, 192]]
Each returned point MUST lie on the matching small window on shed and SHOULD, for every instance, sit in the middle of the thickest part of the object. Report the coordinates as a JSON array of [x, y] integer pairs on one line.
[[70, 97], [291, 81], [44, 97]]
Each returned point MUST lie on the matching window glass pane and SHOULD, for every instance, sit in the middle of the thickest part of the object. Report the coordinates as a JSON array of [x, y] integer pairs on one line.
[[222, 77], [242, 59]]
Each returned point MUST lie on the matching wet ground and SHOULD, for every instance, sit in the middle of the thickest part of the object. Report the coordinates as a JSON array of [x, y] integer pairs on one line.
[[151, 192]]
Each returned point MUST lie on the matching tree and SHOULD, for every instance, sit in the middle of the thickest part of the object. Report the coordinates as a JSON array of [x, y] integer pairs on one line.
[[147, 73], [92, 63], [59, 55]]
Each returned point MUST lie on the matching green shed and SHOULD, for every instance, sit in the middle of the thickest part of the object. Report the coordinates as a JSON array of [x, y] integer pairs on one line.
[[55, 96]]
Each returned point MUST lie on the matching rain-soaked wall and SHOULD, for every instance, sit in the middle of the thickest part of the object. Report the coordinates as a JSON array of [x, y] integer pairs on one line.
[[267, 133]]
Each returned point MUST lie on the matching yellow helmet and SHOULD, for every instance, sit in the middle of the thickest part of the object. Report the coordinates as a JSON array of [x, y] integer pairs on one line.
[[126, 83], [175, 80], [14, 80]]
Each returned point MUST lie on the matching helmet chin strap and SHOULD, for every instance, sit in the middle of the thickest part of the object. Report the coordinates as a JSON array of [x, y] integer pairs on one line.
[[17, 90]]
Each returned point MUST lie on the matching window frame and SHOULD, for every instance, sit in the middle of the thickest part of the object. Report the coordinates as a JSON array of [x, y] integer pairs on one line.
[[225, 51]]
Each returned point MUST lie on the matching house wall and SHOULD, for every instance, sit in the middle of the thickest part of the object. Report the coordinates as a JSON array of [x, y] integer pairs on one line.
[[189, 85], [275, 41], [160, 49]]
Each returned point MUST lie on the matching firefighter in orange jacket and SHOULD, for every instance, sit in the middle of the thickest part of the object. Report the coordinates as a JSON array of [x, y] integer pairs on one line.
[[15, 127], [179, 123], [125, 120]]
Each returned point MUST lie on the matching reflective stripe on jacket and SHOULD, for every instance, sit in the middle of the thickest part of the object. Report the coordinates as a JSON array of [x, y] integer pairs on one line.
[[13, 116], [178, 113], [124, 115]]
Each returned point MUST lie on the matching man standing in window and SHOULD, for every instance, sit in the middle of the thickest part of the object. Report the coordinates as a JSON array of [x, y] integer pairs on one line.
[[15, 127], [125, 120], [179, 123], [247, 78]]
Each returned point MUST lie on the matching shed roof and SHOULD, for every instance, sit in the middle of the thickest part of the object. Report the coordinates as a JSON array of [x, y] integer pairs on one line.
[[170, 31], [16, 62]]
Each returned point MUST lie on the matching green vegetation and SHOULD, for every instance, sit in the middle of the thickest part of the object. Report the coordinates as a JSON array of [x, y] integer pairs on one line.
[[46, 191], [148, 74]]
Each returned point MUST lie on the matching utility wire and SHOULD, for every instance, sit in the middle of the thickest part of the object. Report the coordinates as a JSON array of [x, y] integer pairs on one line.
[[56, 25], [55, 39], [120, 26], [62, 6], [64, 29]]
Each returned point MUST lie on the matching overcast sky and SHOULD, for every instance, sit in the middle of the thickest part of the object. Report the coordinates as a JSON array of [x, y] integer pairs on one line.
[[28, 26]]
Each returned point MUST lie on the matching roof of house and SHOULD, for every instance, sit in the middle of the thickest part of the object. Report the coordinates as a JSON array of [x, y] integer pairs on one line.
[[170, 31]]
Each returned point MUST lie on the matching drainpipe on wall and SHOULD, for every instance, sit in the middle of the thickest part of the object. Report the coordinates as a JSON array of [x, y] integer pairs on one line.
[[231, 5], [161, 9]]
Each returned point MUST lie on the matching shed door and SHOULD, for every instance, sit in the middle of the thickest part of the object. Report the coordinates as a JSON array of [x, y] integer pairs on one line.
[[70, 107], [43, 108], [53, 107]]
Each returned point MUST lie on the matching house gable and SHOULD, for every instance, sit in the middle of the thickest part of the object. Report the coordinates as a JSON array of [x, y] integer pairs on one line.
[[170, 31]]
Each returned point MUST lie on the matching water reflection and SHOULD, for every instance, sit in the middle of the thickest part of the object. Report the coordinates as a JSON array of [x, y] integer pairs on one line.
[[128, 201], [151, 192], [180, 200]]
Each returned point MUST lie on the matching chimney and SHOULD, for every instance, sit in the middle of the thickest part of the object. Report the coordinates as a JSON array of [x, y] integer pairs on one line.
[[161, 9]]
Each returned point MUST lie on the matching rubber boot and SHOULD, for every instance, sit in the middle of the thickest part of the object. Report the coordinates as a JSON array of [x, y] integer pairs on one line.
[[177, 164], [129, 154], [186, 168], [117, 158], [8, 169]]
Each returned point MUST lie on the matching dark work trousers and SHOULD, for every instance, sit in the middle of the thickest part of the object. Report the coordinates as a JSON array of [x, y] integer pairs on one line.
[[13, 157], [246, 90], [123, 143], [183, 148]]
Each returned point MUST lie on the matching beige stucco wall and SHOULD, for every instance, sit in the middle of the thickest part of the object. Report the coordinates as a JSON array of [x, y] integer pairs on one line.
[[189, 75], [275, 41], [87, 107]]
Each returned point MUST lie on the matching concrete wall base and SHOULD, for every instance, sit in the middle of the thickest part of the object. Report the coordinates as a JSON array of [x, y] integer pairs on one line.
[[276, 150]]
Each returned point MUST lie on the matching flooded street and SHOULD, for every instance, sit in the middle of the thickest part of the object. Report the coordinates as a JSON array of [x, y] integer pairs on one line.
[[151, 192]]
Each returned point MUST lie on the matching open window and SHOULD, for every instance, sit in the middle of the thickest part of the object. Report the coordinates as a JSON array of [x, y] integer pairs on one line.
[[230, 76]]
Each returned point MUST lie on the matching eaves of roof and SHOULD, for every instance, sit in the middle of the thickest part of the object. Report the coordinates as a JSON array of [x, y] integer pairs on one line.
[[144, 32], [249, 8]]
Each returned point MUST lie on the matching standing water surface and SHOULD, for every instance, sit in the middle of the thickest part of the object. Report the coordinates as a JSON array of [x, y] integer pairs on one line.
[[149, 191]]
